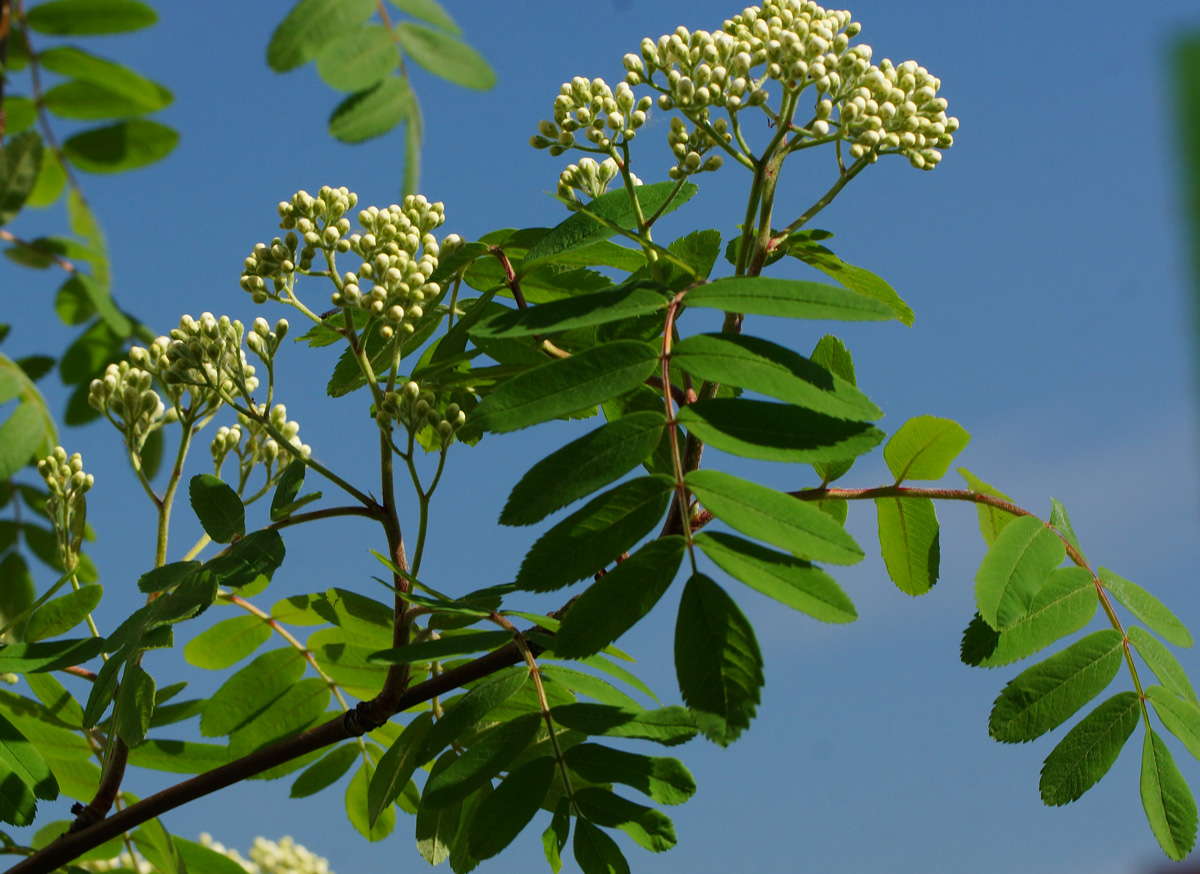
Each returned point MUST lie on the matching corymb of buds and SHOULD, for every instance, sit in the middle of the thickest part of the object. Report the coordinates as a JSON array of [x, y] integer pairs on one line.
[[595, 109], [66, 506], [226, 440], [415, 409], [263, 341], [400, 289], [261, 447], [589, 177], [126, 396], [206, 355], [690, 148]]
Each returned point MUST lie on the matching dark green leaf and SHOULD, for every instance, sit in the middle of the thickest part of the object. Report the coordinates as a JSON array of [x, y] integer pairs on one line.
[[590, 685], [218, 507], [358, 59], [598, 308], [1168, 802], [157, 845], [22, 763], [373, 112], [1089, 749], [566, 385], [21, 113], [908, 540], [776, 432], [582, 466], [488, 754], [287, 489], [502, 815], [116, 148], [446, 57], [662, 779], [429, 11], [257, 554], [91, 101], [1046, 695], [251, 689], [1147, 608], [468, 709], [437, 825], [854, 278], [36, 366], [666, 725], [62, 614], [788, 298], [924, 448], [596, 852], [461, 860], [832, 354], [775, 517], [135, 704], [991, 519], [325, 772], [227, 642], [161, 578], [51, 655], [310, 27], [444, 647], [1165, 666], [22, 159], [648, 827], [590, 538], [397, 766], [1018, 563], [619, 599], [79, 17]]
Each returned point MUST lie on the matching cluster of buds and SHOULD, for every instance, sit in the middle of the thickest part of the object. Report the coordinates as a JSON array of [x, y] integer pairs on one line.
[[690, 147], [594, 108], [400, 289], [261, 446], [127, 397], [415, 409], [589, 177], [66, 506], [263, 341], [206, 355]]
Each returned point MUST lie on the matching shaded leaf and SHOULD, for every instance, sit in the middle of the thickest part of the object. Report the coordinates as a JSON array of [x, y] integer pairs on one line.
[[1169, 805], [325, 772], [444, 647], [310, 27], [788, 298], [662, 779], [596, 852], [372, 112], [218, 507], [624, 302], [397, 766], [356, 807], [503, 814], [466, 710], [649, 828], [178, 756], [666, 725], [488, 754], [554, 838], [854, 278], [51, 655], [118, 147], [22, 159], [135, 704], [437, 825]]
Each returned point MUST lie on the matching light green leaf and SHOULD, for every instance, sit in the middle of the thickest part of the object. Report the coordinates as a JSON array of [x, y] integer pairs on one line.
[[178, 756], [62, 614], [23, 764], [101, 303], [762, 366], [624, 302], [205, 860], [227, 642], [1089, 750], [157, 845], [586, 684], [302, 705], [502, 815], [429, 11], [356, 807], [566, 385], [787, 298], [466, 710], [51, 655], [218, 507], [991, 519], [666, 725], [1165, 666], [1181, 717], [310, 27], [488, 754], [358, 59], [1018, 563], [22, 160], [446, 57], [554, 838], [662, 779], [1046, 695], [619, 599], [81, 17], [717, 661], [775, 517], [1065, 604], [924, 448], [135, 704], [91, 101], [326, 771], [649, 828], [854, 278], [590, 538], [21, 113], [50, 182], [908, 540], [397, 766], [251, 689], [1062, 522], [26, 432], [445, 647], [1169, 805], [1147, 608], [789, 580], [373, 112], [776, 432]]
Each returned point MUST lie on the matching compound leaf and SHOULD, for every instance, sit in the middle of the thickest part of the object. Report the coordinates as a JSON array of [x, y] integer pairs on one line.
[[788, 298]]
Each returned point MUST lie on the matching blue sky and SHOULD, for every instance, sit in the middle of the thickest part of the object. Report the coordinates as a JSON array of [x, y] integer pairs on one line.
[[1047, 270]]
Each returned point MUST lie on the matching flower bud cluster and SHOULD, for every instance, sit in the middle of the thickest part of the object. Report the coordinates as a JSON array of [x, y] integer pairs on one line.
[[263, 341], [388, 247], [126, 395], [66, 506], [589, 177], [690, 148], [207, 356], [414, 409], [595, 109], [261, 445], [286, 857]]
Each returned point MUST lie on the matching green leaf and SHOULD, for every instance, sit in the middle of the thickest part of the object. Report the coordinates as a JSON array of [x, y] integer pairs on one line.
[[126, 145], [1165, 666], [991, 519], [100, 302], [789, 580], [554, 838], [446, 57], [373, 112], [251, 689], [582, 466], [649, 828], [1168, 802], [178, 756], [1089, 750], [1181, 717], [21, 113], [429, 11], [302, 705], [256, 555], [582, 683], [908, 540], [356, 806], [566, 385], [166, 576], [596, 852], [22, 764], [619, 599], [1066, 603], [326, 771], [50, 832], [502, 815], [666, 725], [832, 354], [62, 614], [924, 448], [80, 17], [1147, 608], [461, 860], [590, 538], [397, 766], [437, 825], [466, 710], [358, 59], [581, 230], [51, 655], [787, 298], [50, 182], [159, 848], [205, 860], [227, 642], [776, 432], [310, 27], [773, 516], [717, 661], [1062, 522], [488, 754], [1046, 695], [24, 433], [430, 650], [662, 779], [624, 302], [1018, 563], [762, 366], [22, 159], [218, 507], [91, 101], [854, 278], [115, 78], [284, 500], [135, 704]]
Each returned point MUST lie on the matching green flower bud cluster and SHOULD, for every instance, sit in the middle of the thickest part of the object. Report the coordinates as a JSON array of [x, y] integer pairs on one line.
[[690, 148], [594, 108], [206, 355], [589, 177], [264, 342], [261, 446], [400, 288], [127, 397], [66, 506], [414, 409]]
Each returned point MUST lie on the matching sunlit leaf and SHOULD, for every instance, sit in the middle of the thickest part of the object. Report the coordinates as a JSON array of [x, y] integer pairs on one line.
[[1147, 608], [1089, 749], [1169, 805], [649, 828], [62, 614], [991, 519], [1165, 666], [358, 59], [909, 542], [227, 642], [924, 448], [118, 147], [372, 112], [1018, 563], [310, 27], [81, 17], [1181, 717], [446, 57], [787, 298]]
